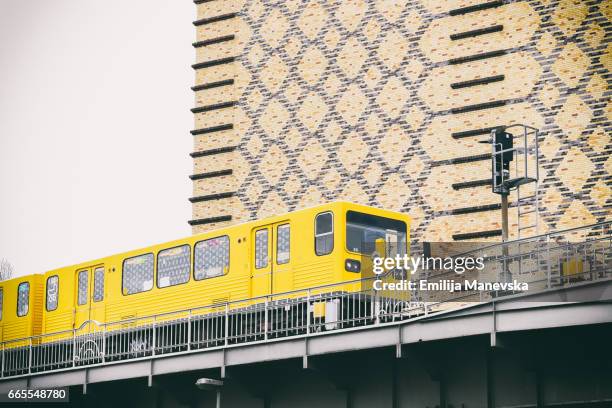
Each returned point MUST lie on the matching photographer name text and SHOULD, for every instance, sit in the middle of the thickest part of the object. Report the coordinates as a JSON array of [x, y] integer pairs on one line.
[[450, 285]]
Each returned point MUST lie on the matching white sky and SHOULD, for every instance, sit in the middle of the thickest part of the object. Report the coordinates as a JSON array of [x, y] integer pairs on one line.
[[94, 127]]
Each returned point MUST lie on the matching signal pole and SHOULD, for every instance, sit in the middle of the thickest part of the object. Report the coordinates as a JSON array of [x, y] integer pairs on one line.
[[504, 214]]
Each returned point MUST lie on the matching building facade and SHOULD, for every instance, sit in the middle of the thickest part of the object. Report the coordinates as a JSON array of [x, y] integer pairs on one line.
[[383, 102]]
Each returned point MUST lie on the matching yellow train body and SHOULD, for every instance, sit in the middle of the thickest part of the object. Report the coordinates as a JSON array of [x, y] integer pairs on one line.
[[21, 311], [323, 245]]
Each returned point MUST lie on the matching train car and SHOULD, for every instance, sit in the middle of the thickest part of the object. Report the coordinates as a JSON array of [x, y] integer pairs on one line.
[[275, 255], [20, 319], [279, 254], [273, 259], [20, 308]]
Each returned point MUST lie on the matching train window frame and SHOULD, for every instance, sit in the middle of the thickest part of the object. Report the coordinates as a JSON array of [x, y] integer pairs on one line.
[[278, 227], [93, 289], [28, 303], [358, 253], [191, 264], [267, 233], [78, 287], [123, 274], [1, 303], [47, 293], [332, 233]]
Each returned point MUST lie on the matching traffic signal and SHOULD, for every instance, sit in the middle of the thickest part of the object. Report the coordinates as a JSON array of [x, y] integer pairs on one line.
[[502, 141]]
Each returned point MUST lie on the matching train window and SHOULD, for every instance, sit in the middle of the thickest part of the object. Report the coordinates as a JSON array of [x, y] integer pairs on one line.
[[1, 301], [23, 299], [261, 248], [52, 292], [137, 274], [173, 266], [82, 286], [282, 243], [324, 233], [363, 230], [211, 258], [98, 289]]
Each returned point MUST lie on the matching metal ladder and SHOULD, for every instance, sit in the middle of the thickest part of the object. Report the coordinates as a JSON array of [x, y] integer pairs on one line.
[[532, 201]]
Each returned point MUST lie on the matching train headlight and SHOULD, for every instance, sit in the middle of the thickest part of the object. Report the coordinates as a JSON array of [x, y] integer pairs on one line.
[[352, 265]]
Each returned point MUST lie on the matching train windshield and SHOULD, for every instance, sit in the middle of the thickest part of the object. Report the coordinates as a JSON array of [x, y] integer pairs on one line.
[[364, 230]]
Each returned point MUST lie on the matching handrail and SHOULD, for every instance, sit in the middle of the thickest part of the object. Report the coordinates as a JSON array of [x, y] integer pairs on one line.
[[87, 322], [538, 237]]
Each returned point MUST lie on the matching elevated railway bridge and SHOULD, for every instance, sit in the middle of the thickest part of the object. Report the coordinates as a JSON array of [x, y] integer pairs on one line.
[[547, 346]]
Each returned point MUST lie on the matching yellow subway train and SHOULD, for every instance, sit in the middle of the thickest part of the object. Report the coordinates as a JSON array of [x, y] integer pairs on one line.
[[323, 245]]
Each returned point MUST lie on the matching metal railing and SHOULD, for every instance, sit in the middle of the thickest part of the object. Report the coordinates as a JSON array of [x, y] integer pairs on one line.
[[546, 261], [542, 262]]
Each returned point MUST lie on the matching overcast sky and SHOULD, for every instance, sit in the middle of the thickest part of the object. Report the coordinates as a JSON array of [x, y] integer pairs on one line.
[[94, 127]]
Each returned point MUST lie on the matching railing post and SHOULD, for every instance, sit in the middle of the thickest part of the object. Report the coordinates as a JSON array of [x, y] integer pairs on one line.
[[3, 358], [189, 331], [103, 343], [376, 311], [426, 296], [30, 357], [154, 335], [308, 312], [226, 323], [73, 347], [266, 319], [548, 268], [584, 261]]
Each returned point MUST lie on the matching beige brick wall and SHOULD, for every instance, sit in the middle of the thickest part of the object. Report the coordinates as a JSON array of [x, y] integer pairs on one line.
[[435, 89], [221, 184], [519, 19], [214, 162], [215, 87], [213, 96], [215, 117], [221, 50], [214, 30], [216, 140], [353, 100], [214, 74]]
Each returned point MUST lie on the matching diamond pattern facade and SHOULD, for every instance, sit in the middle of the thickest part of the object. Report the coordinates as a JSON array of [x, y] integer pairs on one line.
[[354, 100]]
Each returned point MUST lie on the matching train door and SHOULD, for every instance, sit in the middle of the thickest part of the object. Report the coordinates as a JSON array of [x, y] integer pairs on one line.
[[89, 296], [271, 255], [96, 308], [261, 271], [282, 276]]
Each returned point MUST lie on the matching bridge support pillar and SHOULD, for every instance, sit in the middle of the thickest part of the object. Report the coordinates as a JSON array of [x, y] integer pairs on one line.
[[349, 398], [85, 382], [490, 377], [218, 399], [224, 365], [150, 376], [395, 385]]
